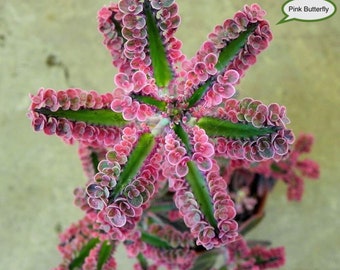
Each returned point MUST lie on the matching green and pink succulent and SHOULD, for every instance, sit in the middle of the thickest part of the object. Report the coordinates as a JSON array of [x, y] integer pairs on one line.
[[176, 165]]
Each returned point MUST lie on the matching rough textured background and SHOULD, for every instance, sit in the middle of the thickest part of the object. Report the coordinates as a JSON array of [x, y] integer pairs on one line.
[[38, 173]]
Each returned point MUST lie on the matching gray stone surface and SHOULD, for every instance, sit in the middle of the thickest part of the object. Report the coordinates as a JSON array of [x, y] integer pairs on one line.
[[38, 173]]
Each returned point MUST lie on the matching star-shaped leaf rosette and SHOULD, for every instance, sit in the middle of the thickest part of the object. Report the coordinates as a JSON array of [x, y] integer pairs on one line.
[[157, 149]]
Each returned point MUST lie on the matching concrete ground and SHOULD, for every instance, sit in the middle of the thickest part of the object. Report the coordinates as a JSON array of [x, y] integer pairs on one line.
[[38, 173]]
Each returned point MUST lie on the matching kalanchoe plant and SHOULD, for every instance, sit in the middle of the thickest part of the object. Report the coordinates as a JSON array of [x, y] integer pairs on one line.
[[178, 169]]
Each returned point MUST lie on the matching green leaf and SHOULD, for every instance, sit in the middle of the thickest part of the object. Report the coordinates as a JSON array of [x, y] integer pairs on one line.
[[101, 117], [160, 105], [104, 254], [155, 241], [206, 260], [233, 47], [199, 93], [78, 261], [183, 136], [200, 190], [251, 223], [118, 27], [95, 160], [142, 261], [276, 168], [160, 64], [227, 54], [135, 161], [215, 127], [162, 207]]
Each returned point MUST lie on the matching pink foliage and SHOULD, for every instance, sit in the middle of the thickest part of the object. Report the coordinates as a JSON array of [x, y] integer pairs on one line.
[[70, 130], [241, 256], [74, 238], [253, 112], [119, 213]]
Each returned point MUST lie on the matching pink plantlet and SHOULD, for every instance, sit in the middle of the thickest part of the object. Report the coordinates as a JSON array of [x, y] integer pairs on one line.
[[304, 143], [243, 256], [224, 90], [83, 236], [201, 71], [130, 6], [121, 103], [175, 156]]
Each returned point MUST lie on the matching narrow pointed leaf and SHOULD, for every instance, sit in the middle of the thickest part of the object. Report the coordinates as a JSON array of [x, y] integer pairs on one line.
[[200, 190], [160, 64], [199, 93], [160, 105], [118, 28], [162, 207], [135, 161], [142, 261], [220, 127], [95, 161], [225, 57], [102, 117], [78, 261], [232, 49], [104, 254], [180, 132], [155, 241], [206, 261], [251, 223]]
